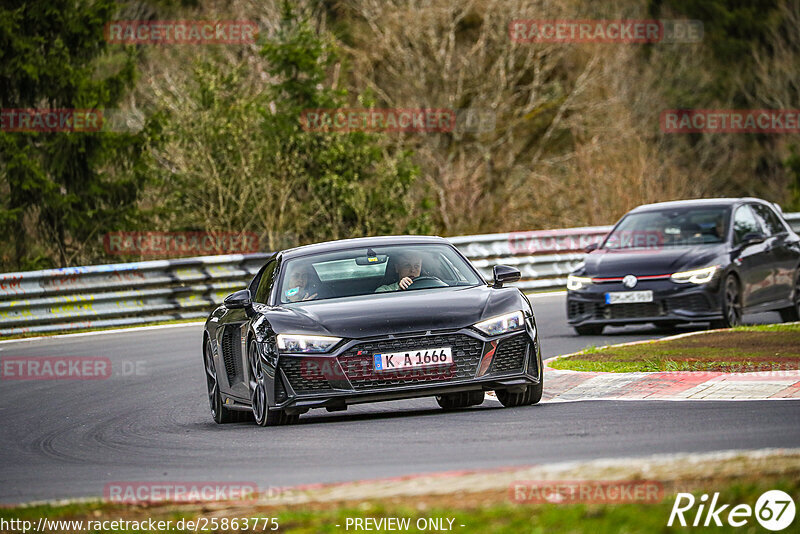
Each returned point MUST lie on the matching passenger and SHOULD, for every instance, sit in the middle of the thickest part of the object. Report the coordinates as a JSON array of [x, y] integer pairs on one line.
[[299, 285], [408, 265]]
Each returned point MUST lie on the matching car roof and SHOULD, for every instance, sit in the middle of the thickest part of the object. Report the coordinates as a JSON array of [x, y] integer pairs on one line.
[[379, 241], [699, 202]]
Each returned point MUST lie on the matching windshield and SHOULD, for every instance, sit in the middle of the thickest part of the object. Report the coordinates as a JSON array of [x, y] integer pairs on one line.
[[670, 228], [374, 270]]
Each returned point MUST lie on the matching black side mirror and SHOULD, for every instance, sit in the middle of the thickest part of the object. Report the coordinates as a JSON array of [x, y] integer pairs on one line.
[[753, 238], [504, 274], [590, 247], [239, 300]]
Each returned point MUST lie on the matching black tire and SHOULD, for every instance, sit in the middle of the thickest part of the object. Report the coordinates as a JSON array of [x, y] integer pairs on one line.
[[792, 313], [531, 395], [258, 394], [589, 329], [219, 412], [731, 304], [452, 401]]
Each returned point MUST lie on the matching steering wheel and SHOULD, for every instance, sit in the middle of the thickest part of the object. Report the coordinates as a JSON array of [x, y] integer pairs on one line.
[[425, 282]]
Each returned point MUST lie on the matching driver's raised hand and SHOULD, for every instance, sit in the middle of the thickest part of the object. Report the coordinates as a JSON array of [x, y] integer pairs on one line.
[[405, 282]]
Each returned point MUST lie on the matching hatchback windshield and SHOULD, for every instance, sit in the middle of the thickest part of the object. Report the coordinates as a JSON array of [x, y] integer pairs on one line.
[[670, 228], [374, 270]]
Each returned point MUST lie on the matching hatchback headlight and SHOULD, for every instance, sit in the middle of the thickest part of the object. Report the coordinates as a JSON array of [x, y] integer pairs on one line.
[[696, 276], [502, 324], [306, 344], [577, 282]]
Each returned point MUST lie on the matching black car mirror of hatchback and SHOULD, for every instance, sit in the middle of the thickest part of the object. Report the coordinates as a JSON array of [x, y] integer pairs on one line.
[[753, 238], [591, 247], [504, 274], [239, 300]]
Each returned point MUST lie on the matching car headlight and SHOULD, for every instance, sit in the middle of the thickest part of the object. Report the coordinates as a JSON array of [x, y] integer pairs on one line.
[[501, 324], [298, 343], [696, 276], [577, 282]]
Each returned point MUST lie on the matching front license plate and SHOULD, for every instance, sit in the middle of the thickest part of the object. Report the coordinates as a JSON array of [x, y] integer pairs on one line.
[[624, 297], [390, 361]]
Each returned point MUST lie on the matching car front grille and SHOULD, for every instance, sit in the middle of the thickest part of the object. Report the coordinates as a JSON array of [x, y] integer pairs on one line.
[[304, 374], [577, 308], [696, 303], [510, 354], [357, 362], [630, 310], [280, 390]]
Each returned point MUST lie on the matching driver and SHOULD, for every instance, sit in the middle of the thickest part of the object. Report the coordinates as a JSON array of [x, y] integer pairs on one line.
[[408, 265], [719, 227]]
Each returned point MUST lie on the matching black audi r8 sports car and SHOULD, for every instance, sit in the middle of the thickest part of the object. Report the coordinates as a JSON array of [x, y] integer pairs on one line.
[[365, 320], [697, 260]]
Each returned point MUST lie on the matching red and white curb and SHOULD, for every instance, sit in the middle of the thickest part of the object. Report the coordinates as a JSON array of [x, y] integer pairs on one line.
[[562, 385]]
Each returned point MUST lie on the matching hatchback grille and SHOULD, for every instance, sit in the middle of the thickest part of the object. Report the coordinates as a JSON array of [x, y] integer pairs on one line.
[[630, 310], [510, 354], [578, 308], [693, 303], [357, 362]]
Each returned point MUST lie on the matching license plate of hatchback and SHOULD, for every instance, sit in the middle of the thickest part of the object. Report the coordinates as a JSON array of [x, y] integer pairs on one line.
[[625, 297], [390, 361]]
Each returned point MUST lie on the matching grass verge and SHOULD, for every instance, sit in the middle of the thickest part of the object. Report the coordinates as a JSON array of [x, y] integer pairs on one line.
[[483, 512], [742, 349], [467, 502]]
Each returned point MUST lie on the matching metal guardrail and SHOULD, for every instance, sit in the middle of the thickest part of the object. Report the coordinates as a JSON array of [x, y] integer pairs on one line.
[[77, 298]]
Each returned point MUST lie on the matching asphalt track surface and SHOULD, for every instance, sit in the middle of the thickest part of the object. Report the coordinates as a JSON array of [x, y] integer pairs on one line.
[[149, 422]]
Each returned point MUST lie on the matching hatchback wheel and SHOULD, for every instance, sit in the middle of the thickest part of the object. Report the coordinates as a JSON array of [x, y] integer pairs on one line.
[[731, 304], [792, 313]]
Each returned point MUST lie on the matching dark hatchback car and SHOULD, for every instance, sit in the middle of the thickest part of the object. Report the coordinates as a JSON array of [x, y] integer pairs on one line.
[[365, 320], [688, 261]]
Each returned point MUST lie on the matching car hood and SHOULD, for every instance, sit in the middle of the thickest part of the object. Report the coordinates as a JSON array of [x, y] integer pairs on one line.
[[395, 313], [643, 262]]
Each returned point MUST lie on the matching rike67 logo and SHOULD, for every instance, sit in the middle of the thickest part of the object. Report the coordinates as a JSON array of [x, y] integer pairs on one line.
[[774, 510]]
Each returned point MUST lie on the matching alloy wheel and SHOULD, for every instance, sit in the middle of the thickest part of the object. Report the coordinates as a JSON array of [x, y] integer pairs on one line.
[[258, 397], [733, 302], [797, 295], [211, 379]]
